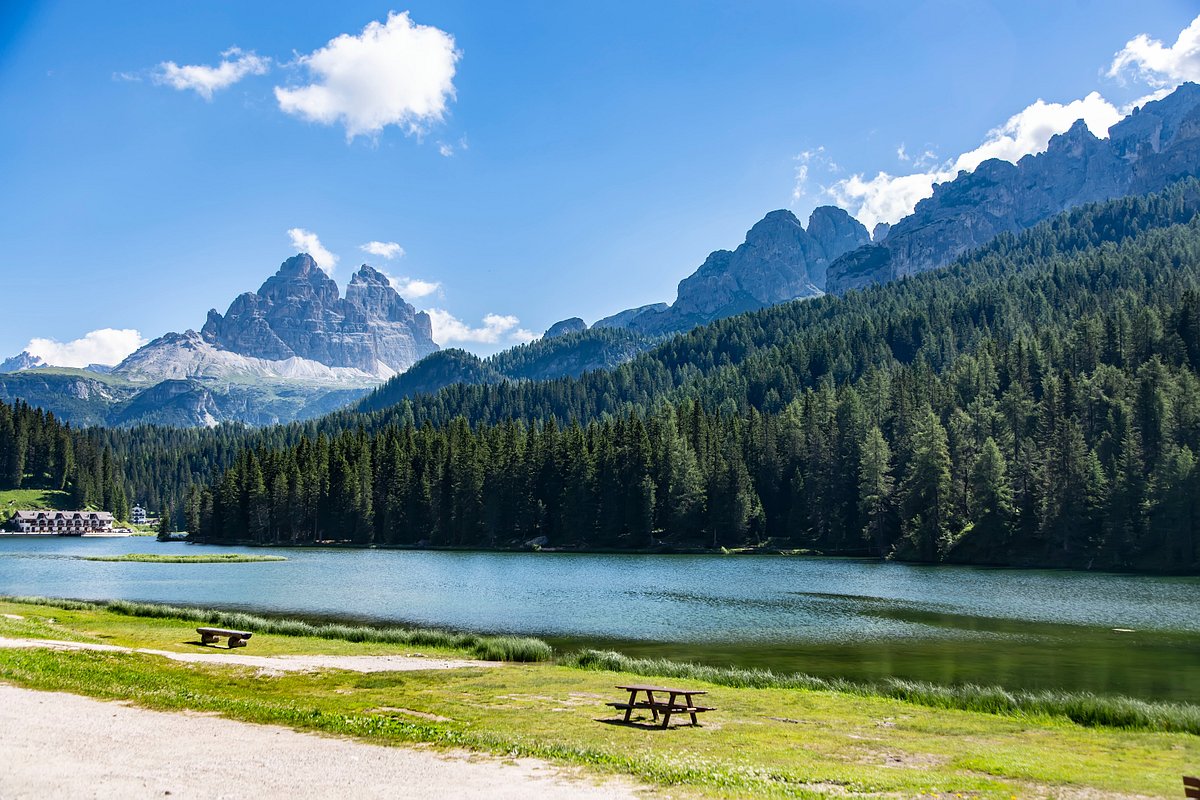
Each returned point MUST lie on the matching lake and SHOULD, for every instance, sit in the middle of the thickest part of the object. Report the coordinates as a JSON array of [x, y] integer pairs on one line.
[[1130, 634]]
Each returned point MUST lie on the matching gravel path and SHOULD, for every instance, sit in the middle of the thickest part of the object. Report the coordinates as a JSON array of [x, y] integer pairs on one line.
[[270, 664], [62, 745]]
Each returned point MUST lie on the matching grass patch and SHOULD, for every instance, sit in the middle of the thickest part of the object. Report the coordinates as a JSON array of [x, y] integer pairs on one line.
[[33, 500], [1082, 708], [216, 558], [492, 648], [759, 743]]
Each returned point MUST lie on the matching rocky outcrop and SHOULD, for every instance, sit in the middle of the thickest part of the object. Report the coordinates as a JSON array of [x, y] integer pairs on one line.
[[1153, 147], [780, 260], [298, 313], [563, 327], [21, 362], [627, 318]]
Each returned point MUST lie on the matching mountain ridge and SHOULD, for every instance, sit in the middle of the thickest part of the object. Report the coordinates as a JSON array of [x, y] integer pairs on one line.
[[1144, 152]]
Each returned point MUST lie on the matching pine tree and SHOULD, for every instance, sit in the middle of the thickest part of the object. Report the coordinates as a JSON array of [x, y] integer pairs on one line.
[[927, 491], [875, 487]]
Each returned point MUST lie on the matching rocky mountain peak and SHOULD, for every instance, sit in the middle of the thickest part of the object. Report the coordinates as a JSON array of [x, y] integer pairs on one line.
[[21, 362], [563, 327], [298, 312], [779, 260], [1149, 149]]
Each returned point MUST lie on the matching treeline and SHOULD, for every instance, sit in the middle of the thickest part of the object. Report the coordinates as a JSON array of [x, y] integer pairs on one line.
[[1057, 422], [1004, 459], [39, 452]]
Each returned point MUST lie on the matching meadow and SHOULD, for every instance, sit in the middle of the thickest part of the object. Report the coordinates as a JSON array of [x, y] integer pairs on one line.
[[772, 736]]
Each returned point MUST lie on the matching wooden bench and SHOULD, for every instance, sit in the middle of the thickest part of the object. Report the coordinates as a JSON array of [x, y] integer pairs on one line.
[[656, 706], [212, 635], [1191, 787]]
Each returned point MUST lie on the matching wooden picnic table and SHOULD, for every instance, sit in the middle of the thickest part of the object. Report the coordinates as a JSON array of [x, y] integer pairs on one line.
[[667, 707]]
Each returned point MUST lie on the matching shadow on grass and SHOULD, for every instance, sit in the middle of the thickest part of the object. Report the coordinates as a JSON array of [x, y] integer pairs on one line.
[[646, 724]]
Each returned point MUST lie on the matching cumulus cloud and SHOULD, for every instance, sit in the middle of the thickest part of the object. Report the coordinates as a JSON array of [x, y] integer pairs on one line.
[[888, 198], [308, 242], [204, 80], [388, 250], [1029, 130], [393, 73], [104, 346], [1158, 64], [496, 328], [414, 288]]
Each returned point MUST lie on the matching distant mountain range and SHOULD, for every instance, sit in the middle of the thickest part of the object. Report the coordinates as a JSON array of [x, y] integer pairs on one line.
[[780, 260], [1151, 148], [296, 348], [293, 349]]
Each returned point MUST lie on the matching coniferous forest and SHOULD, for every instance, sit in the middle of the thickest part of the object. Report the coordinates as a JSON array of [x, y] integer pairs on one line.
[[39, 452], [1034, 404]]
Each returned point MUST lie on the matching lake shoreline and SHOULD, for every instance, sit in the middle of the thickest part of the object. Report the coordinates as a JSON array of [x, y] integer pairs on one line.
[[857, 555], [852, 618]]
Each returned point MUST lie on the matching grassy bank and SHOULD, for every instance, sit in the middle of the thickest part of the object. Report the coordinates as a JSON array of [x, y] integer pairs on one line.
[[763, 741], [216, 558], [1083, 708], [491, 648]]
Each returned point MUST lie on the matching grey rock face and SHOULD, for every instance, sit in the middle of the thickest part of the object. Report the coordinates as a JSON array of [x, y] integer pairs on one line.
[[20, 362], [1146, 151], [298, 313], [624, 319], [780, 260], [880, 232], [563, 327]]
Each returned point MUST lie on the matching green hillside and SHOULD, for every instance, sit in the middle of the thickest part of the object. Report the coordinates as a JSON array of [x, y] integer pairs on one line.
[[33, 499]]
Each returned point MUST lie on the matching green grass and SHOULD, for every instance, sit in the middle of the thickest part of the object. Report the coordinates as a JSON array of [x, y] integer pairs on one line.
[[33, 500], [216, 558], [760, 742], [1083, 708], [493, 648]]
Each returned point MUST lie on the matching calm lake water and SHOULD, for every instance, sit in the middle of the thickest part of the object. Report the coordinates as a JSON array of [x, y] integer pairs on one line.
[[858, 619]]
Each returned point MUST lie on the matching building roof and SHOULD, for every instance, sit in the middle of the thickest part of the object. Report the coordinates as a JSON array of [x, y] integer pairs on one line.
[[34, 515]]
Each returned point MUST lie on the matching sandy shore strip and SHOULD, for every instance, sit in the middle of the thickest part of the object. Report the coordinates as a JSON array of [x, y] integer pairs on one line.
[[62, 745], [270, 664]]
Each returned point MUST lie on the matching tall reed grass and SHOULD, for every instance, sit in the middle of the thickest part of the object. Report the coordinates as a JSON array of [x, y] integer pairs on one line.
[[491, 648], [1083, 708]]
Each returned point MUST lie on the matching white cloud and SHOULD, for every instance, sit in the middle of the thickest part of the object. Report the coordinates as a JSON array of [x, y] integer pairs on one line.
[[805, 163], [1029, 130], [394, 73], [496, 328], [446, 150], [308, 242], [205, 80], [885, 197], [103, 346], [888, 198], [1157, 64], [414, 288], [388, 250]]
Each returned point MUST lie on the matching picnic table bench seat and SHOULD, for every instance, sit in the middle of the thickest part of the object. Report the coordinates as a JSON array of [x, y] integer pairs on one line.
[[213, 635], [664, 707]]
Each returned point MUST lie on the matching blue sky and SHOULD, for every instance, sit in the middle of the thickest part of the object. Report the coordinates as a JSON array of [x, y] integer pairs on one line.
[[534, 161]]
